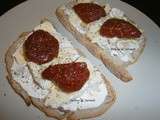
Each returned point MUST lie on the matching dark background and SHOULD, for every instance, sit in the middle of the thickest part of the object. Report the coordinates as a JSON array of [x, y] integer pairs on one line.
[[149, 7]]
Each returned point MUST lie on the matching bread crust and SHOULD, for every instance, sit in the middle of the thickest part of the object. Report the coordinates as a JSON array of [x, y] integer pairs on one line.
[[117, 69], [52, 112]]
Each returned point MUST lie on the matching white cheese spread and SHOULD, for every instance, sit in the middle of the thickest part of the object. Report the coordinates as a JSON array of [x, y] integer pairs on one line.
[[37, 87], [121, 49], [21, 74]]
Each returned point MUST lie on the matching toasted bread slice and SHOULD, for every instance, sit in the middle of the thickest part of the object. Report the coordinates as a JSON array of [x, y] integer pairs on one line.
[[57, 113], [81, 33]]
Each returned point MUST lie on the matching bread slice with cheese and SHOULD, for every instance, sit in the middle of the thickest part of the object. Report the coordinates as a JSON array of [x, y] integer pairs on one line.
[[116, 52], [94, 98]]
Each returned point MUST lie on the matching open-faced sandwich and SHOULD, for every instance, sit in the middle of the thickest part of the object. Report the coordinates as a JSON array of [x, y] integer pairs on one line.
[[48, 72], [107, 32]]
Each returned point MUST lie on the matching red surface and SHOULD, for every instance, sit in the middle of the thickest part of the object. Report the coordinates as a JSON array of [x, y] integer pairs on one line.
[[69, 77], [41, 47], [119, 28], [89, 12]]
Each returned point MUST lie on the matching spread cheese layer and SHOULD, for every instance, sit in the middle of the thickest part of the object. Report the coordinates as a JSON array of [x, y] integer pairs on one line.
[[21, 74], [38, 87], [120, 49]]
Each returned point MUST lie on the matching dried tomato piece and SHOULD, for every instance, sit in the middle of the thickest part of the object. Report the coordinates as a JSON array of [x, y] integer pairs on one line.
[[119, 28], [89, 12], [69, 77], [41, 47]]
